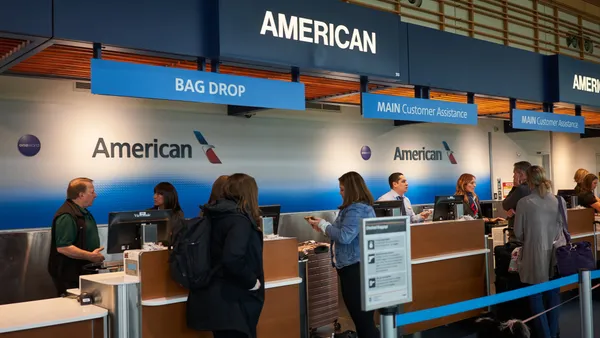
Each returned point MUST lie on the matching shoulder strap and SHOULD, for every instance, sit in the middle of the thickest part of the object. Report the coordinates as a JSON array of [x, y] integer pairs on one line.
[[563, 216]]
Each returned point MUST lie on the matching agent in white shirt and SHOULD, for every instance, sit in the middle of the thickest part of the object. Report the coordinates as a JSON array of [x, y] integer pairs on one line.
[[399, 187]]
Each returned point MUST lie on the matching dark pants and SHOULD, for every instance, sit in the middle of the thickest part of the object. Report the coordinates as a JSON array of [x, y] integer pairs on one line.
[[229, 334], [62, 286], [546, 325], [350, 285]]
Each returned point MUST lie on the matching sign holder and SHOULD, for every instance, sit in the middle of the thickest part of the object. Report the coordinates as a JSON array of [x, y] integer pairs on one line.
[[385, 269]]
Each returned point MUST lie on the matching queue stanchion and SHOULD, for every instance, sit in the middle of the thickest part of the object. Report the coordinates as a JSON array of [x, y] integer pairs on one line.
[[585, 303], [385, 269], [388, 327]]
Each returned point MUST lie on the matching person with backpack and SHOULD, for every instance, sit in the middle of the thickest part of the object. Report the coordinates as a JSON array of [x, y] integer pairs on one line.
[[230, 300]]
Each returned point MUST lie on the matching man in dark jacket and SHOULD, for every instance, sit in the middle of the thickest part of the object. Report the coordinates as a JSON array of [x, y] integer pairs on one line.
[[519, 190], [75, 239]]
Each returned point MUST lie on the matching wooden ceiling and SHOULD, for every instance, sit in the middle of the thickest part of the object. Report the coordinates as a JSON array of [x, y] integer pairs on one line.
[[65, 61]]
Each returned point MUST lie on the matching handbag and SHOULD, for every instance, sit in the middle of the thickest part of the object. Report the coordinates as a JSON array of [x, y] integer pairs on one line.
[[571, 257]]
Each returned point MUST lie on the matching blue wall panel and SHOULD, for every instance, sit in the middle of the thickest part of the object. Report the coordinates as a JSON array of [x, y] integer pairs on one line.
[[26, 17], [577, 82], [292, 39], [176, 26], [449, 61]]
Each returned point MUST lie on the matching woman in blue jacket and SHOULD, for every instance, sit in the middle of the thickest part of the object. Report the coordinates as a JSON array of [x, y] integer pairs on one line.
[[345, 251]]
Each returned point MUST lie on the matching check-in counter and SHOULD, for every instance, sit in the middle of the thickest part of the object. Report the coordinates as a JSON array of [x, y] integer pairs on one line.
[[448, 266], [55, 317], [155, 306], [581, 227]]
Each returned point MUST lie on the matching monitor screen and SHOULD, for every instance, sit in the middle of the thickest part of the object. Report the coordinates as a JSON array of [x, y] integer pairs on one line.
[[443, 208], [566, 194], [272, 211], [125, 228], [386, 208]]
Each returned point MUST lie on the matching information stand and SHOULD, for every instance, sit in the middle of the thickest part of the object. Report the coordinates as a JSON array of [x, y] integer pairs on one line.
[[385, 269]]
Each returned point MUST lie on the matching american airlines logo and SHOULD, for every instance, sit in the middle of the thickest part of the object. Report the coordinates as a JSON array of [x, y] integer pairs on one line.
[[425, 154], [154, 149], [586, 84], [292, 27], [208, 149]]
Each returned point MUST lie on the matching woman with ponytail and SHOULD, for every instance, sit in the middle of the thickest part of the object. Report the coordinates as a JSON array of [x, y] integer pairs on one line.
[[538, 223]]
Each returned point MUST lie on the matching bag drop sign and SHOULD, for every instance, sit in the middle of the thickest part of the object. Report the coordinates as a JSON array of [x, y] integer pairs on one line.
[[166, 83], [214, 88]]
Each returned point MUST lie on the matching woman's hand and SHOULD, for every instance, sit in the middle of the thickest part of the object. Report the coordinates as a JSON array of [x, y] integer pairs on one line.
[[314, 222]]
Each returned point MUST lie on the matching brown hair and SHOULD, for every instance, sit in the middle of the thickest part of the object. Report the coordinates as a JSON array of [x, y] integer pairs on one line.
[[536, 178], [586, 183], [77, 186], [522, 166], [462, 182], [217, 189], [580, 174], [355, 190], [242, 189]]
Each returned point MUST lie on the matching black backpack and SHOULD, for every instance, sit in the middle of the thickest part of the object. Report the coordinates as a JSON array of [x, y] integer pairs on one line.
[[189, 258]]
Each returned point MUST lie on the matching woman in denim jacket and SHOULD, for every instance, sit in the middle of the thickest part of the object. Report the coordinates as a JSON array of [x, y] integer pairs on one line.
[[345, 251]]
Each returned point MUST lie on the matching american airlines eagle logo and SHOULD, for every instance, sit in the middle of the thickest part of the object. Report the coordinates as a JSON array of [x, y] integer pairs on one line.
[[208, 149]]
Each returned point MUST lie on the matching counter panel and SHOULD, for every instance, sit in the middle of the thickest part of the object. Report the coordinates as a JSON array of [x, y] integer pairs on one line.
[[155, 277], [438, 238], [154, 324], [85, 329], [446, 282], [580, 221]]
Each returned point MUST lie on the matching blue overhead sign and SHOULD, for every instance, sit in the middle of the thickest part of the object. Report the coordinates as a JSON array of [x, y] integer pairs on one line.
[[387, 107], [578, 81], [531, 120], [328, 35], [152, 82]]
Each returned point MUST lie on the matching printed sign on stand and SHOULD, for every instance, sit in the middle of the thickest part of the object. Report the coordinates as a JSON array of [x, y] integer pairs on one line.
[[386, 272]]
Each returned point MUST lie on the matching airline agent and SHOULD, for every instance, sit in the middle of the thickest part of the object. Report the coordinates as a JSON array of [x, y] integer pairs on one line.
[[399, 187]]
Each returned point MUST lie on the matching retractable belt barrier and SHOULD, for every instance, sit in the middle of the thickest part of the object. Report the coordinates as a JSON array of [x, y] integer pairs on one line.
[[483, 302]]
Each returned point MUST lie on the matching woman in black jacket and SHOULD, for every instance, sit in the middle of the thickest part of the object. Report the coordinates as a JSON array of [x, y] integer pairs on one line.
[[231, 305]]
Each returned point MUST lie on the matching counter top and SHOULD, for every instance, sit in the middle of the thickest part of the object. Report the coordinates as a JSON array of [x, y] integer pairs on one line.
[[183, 298], [112, 278], [47, 312]]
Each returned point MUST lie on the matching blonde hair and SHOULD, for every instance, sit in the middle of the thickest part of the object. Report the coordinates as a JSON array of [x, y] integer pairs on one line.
[[536, 178], [580, 175], [462, 182]]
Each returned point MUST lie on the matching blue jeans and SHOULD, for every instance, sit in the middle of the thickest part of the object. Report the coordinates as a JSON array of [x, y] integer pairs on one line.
[[546, 325]]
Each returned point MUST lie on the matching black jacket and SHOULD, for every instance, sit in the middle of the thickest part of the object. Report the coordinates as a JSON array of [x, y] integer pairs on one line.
[[468, 211], [228, 303]]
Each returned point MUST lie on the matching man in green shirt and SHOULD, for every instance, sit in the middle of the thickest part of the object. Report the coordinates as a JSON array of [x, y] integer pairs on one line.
[[75, 239]]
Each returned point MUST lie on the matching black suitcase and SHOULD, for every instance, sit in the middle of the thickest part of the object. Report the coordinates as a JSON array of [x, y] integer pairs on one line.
[[508, 281]]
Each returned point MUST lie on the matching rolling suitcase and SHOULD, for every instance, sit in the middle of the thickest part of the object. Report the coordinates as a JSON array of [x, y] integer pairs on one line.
[[322, 286], [508, 281]]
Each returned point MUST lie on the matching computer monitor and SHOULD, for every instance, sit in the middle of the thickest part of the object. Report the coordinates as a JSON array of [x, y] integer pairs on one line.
[[272, 212], [567, 194], [126, 229], [387, 208], [448, 207]]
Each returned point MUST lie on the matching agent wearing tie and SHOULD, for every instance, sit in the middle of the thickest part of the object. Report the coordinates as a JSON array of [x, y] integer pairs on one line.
[[399, 187]]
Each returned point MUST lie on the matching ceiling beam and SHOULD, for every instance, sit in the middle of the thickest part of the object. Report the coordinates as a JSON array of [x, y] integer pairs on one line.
[[35, 46]]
